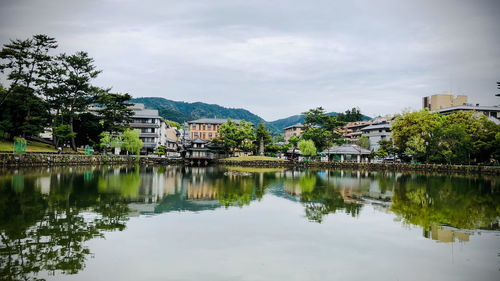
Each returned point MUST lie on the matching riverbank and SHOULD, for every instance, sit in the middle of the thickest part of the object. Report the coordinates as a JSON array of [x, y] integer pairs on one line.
[[396, 167], [37, 159]]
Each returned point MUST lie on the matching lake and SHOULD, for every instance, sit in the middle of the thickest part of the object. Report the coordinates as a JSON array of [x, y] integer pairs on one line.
[[217, 223]]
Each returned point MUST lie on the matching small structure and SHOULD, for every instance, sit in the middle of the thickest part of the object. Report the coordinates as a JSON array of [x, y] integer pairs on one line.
[[294, 130], [197, 150], [347, 152]]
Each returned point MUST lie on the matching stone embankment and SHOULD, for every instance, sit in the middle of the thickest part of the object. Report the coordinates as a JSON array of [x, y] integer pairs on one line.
[[37, 159], [396, 167]]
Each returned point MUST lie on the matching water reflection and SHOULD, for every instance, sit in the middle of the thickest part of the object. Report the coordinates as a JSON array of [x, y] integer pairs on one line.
[[48, 215]]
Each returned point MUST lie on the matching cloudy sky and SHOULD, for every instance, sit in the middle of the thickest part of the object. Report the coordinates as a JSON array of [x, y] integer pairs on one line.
[[278, 58]]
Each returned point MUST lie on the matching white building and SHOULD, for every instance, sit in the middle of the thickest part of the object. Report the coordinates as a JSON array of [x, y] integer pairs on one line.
[[153, 128], [379, 130]]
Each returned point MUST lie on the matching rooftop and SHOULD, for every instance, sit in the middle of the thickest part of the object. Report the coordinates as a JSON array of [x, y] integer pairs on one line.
[[377, 126], [298, 125], [347, 149], [212, 121]]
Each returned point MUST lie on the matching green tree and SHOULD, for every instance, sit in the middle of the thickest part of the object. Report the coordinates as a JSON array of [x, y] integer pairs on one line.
[[364, 142], [234, 136], [131, 141], [307, 147], [115, 111], [174, 124], [352, 115], [262, 136], [24, 62], [321, 128], [414, 132], [64, 133]]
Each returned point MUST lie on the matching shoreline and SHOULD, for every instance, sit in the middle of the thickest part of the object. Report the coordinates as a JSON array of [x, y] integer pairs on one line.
[[36, 160]]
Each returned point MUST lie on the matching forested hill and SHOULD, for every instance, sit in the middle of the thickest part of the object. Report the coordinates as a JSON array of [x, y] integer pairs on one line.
[[184, 111]]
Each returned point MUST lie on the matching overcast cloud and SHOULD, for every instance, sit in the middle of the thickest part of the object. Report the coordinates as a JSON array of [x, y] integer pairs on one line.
[[278, 58]]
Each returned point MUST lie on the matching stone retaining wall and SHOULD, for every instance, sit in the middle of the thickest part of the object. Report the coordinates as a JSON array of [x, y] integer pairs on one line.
[[399, 167], [9, 159]]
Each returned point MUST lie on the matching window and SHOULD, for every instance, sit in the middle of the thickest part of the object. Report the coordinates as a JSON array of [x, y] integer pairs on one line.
[[203, 135], [204, 128], [195, 134], [209, 126], [210, 134]]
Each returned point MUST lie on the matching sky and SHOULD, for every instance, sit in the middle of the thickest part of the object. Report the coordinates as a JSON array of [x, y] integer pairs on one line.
[[278, 58]]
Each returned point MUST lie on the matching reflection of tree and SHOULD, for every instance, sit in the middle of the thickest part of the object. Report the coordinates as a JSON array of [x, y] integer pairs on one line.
[[319, 197], [458, 202], [48, 233]]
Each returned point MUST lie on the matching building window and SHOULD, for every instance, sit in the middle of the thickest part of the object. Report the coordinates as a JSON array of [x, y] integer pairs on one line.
[[204, 128], [209, 126], [195, 134], [210, 135], [203, 135]]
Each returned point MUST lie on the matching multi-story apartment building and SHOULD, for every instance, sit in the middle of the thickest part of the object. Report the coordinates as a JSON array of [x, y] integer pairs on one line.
[[153, 128], [353, 130], [294, 130], [379, 130], [437, 102], [206, 128]]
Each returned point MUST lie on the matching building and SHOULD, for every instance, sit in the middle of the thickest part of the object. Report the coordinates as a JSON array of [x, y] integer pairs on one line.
[[153, 128], [352, 131], [206, 128], [488, 111], [439, 101], [379, 130], [347, 152], [294, 130]]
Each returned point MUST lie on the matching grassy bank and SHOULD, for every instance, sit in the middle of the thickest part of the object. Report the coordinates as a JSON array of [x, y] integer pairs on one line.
[[251, 158], [33, 146]]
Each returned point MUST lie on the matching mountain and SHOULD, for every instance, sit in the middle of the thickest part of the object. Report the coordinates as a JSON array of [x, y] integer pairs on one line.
[[185, 111]]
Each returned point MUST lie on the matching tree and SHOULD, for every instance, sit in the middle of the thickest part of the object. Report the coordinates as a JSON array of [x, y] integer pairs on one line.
[[413, 133], [64, 133], [234, 136], [364, 142], [88, 127], [115, 110], [174, 124], [72, 88], [307, 147], [131, 141], [320, 128], [263, 138], [352, 115], [386, 149], [24, 61]]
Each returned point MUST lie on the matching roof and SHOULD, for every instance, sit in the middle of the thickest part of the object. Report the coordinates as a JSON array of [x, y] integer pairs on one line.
[[469, 107], [212, 121], [357, 124], [377, 126], [298, 125], [140, 111], [347, 149], [198, 140]]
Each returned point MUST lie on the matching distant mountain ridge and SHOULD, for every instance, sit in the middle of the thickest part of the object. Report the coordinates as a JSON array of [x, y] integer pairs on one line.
[[185, 111]]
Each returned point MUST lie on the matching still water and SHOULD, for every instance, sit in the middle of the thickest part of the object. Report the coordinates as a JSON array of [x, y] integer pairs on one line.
[[182, 223]]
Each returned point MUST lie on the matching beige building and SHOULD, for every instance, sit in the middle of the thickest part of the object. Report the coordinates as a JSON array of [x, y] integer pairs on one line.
[[439, 101], [294, 130], [206, 128]]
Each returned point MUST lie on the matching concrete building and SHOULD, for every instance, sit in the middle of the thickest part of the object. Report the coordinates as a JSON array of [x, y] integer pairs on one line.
[[294, 130], [439, 101], [153, 128], [488, 111], [206, 128], [379, 130], [352, 131]]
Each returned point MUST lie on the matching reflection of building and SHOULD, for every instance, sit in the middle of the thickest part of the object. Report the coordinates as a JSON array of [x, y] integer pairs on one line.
[[436, 102], [446, 235]]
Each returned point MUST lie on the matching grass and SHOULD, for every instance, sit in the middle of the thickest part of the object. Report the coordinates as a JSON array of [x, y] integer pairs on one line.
[[32, 146], [253, 170], [252, 158]]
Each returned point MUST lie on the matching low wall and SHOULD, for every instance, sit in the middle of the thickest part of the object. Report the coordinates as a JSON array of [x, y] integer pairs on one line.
[[399, 167], [9, 159]]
